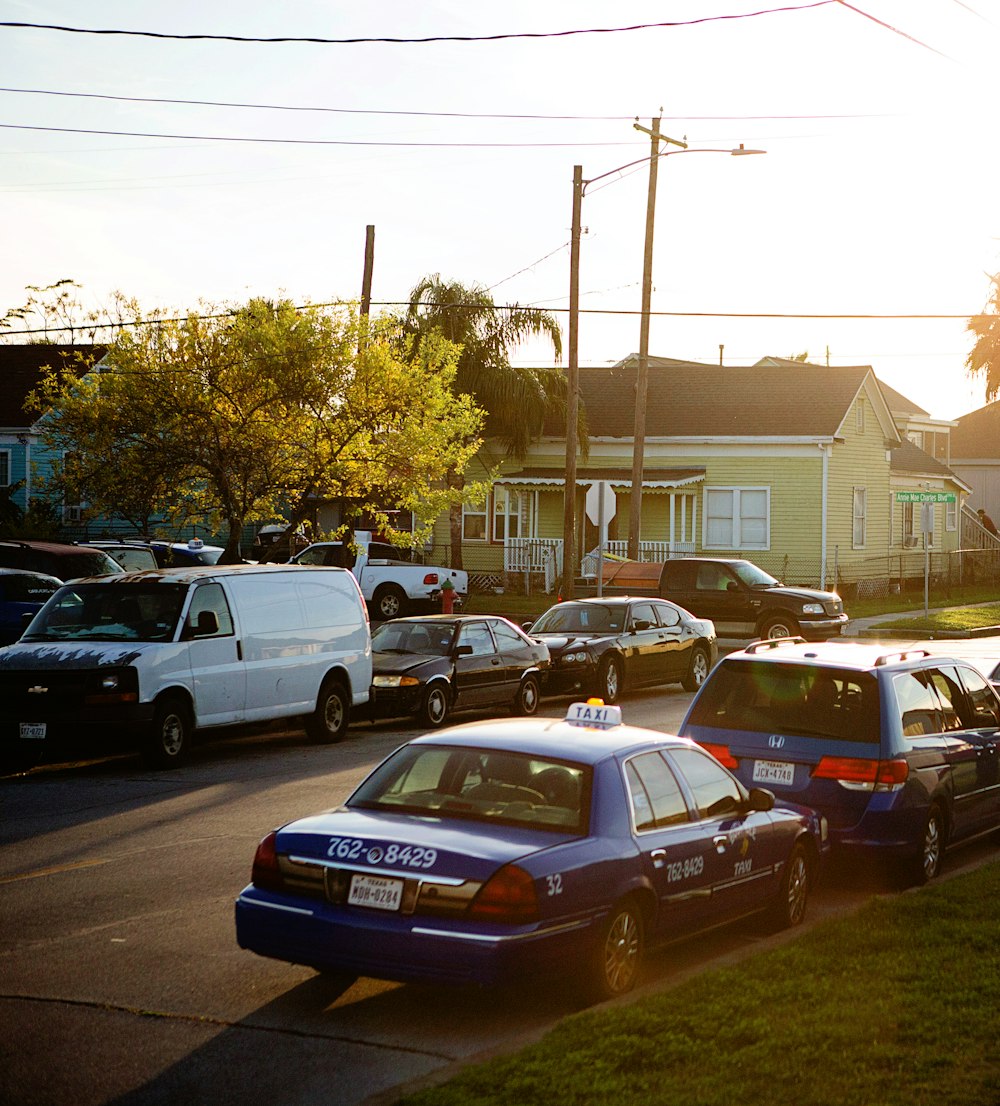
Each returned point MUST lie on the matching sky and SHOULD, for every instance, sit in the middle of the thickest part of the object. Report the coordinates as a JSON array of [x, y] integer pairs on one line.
[[196, 171]]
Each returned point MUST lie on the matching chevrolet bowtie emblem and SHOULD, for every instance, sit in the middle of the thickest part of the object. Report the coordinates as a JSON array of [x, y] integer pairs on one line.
[[37, 690]]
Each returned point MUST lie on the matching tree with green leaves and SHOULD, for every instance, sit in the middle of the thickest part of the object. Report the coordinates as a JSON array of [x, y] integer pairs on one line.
[[517, 400], [234, 416], [985, 354]]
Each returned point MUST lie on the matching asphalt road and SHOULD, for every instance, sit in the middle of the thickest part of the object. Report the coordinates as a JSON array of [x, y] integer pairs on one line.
[[120, 978]]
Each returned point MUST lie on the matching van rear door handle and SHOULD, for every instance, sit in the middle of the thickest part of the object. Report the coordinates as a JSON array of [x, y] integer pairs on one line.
[[239, 650]]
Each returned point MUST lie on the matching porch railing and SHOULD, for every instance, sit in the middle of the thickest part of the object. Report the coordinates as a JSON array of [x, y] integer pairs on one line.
[[535, 556]]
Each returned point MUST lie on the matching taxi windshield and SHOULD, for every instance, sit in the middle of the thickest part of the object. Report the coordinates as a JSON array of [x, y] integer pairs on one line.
[[480, 785], [102, 612]]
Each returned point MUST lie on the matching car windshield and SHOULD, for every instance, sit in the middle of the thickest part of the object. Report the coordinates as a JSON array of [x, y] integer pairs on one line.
[[94, 612], [803, 700], [580, 618], [479, 785], [431, 639], [753, 576]]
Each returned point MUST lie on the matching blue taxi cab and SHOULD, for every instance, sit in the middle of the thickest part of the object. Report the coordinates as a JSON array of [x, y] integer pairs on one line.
[[522, 847]]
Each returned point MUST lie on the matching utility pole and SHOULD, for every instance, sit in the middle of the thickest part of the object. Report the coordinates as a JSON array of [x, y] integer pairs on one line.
[[366, 286], [642, 376], [567, 589]]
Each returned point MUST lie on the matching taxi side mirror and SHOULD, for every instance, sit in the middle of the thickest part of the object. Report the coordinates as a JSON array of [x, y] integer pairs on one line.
[[761, 799]]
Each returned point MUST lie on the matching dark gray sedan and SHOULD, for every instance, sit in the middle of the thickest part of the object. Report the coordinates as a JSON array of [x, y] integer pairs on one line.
[[431, 666], [605, 645]]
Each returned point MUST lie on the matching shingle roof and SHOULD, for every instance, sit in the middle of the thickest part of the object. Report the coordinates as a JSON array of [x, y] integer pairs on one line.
[[977, 434], [22, 367], [911, 459], [689, 399]]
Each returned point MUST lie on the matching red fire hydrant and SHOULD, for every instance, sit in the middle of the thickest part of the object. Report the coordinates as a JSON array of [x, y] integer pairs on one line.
[[447, 597]]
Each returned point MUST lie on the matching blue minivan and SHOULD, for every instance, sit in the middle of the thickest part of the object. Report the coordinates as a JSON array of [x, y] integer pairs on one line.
[[899, 750]]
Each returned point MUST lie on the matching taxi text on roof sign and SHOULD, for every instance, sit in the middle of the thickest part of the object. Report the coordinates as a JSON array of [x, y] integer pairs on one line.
[[594, 714]]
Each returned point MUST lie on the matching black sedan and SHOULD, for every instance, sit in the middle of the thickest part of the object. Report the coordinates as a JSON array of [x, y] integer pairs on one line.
[[431, 666], [602, 646]]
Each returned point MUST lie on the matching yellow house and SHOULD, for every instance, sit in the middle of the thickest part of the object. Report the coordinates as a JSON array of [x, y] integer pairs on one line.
[[800, 468]]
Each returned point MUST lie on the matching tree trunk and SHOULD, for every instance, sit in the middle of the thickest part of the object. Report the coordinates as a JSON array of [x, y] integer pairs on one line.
[[456, 481], [231, 554]]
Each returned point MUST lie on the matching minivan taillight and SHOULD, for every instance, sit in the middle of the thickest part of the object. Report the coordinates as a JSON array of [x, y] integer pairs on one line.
[[509, 896], [266, 874], [863, 774], [721, 754]]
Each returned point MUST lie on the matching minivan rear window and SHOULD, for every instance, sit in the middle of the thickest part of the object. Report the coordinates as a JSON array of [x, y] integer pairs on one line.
[[765, 697]]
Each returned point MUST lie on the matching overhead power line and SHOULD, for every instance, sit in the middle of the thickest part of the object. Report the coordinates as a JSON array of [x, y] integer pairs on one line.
[[308, 141], [431, 114], [316, 40]]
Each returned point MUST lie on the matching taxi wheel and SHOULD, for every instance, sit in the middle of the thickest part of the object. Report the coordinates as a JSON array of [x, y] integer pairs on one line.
[[168, 739], [928, 861], [698, 671], [609, 680], [789, 907], [434, 707], [328, 722], [526, 700], [619, 952]]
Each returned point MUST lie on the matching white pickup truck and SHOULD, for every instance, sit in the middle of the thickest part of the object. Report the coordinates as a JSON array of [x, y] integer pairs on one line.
[[391, 585]]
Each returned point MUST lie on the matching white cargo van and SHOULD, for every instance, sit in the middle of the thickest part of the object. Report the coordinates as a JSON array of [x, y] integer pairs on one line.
[[161, 654]]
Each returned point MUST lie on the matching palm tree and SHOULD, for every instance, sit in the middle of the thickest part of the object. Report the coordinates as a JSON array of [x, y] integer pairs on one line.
[[985, 355], [516, 399]]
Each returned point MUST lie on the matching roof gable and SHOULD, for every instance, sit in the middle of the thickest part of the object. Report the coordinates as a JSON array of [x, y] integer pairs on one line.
[[23, 366], [977, 434]]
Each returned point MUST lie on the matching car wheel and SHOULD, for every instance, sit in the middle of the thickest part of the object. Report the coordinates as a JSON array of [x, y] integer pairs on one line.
[[779, 626], [928, 861], [789, 907], [388, 601], [434, 706], [609, 680], [526, 700], [619, 952], [168, 739], [328, 722], [697, 672]]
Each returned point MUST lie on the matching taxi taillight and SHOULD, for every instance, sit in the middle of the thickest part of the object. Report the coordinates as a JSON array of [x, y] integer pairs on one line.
[[878, 775], [509, 896], [266, 873], [721, 754]]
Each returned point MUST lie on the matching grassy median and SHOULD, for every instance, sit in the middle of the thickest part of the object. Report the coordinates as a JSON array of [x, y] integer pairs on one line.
[[897, 1005]]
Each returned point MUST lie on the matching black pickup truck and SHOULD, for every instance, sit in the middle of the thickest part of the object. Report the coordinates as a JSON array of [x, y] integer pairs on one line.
[[740, 598], [744, 600]]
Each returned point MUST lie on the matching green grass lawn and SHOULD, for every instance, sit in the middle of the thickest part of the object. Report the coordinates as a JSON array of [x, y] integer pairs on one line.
[[956, 618], [897, 1005]]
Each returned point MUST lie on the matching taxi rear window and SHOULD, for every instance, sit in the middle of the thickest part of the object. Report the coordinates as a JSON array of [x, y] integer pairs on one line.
[[480, 785], [808, 701]]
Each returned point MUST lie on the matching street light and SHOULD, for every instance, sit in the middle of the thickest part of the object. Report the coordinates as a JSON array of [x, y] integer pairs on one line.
[[573, 365]]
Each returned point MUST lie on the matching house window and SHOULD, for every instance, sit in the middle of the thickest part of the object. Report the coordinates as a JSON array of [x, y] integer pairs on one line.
[[951, 515], [916, 437], [859, 416], [860, 517], [473, 522], [4, 468], [507, 514], [907, 538], [737, 518]]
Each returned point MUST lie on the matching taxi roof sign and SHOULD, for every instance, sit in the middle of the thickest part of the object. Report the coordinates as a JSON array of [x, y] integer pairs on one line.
[[594, 715]]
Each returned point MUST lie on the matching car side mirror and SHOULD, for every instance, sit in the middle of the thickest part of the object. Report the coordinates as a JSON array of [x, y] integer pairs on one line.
[[463, 651], [526, 626], [641, 624], [732, 586], [761, 799]]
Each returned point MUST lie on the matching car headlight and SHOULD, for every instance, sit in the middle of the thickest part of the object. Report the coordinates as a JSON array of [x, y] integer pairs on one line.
[[395, 681], [574, 658], [812, 608]]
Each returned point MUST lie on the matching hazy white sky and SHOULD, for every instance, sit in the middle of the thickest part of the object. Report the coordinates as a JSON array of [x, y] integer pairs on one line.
[[878, 194]]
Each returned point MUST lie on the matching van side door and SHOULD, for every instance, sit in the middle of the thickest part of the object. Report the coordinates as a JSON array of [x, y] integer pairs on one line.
[[218, 671]]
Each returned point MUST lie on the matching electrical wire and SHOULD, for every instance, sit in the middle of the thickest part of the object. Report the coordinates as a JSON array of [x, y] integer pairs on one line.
[[314, 40], [895, 30]]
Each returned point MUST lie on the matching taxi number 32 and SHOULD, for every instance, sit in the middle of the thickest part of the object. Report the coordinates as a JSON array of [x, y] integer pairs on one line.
[[685, 869], [404, 856]]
